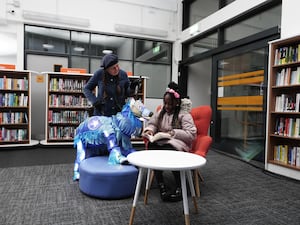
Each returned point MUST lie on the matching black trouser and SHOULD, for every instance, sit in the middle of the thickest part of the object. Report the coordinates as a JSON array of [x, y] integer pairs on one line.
[[160, 179]]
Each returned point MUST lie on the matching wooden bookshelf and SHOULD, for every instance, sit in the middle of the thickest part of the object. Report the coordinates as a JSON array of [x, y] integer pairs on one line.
[[283, 114], [15, 108], [142, 96], [66, 106]]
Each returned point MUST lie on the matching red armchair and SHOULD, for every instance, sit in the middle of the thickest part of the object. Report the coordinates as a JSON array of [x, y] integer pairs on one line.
[[202, 119]]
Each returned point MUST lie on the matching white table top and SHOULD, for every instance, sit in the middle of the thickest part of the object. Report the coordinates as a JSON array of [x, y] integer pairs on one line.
[[166, 160]]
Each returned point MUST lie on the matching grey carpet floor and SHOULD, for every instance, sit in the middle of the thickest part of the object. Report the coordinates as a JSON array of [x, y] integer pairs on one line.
[[233, 192]]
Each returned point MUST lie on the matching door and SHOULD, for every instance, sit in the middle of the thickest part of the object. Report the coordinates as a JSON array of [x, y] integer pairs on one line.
[[239, 100]]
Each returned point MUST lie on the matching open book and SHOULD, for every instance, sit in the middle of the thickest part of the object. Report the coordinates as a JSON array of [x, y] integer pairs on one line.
[[157, 136]]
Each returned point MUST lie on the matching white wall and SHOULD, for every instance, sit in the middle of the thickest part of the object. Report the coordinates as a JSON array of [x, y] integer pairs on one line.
[[102, 16], [290, 18]]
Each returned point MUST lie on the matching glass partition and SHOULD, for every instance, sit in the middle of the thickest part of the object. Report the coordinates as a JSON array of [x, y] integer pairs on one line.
[[152, 51], [240, 103], [158, 81], [85, 50], [80, 43], [48, 40], [103, 44], [255, 24]]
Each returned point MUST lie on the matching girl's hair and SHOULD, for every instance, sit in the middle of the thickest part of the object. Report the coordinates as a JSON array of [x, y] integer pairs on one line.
[[173, 92]]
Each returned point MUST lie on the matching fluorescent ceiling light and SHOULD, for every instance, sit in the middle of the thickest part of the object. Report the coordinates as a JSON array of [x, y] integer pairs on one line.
[[107, 51], [47, 17], [78, 49], [48, 46], [141, 30]]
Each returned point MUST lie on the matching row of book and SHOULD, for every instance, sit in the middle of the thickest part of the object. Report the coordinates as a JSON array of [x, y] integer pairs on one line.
[[13, 100], [287, 154], [72, 117], [7, 83], [288, 76], [72, 85], [287, 103], [13, 118], [13, 134], [287, 126], [68, 101], [287, 54], [61, 132]]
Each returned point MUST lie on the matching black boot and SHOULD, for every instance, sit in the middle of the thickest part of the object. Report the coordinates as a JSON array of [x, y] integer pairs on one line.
[[163, 191], [176, 196]]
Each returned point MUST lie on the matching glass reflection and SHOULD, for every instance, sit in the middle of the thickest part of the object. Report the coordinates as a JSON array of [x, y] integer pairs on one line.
[[46, 39], [151, 51], [80, 43], [103, 44]]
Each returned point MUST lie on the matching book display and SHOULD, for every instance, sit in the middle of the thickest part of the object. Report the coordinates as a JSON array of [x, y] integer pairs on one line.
[[66, 106], [283, 115], [15, 102]]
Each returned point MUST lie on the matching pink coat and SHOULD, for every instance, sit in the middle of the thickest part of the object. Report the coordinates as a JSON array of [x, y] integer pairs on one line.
[[183, 138]]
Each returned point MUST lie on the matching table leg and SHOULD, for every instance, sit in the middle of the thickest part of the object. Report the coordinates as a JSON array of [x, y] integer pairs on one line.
[[184, 197], [196, 178], [147, 186], [191, 184], [136, 195]]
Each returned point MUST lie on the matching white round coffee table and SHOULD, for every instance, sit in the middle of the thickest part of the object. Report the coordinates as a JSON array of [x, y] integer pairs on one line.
[[166, 160]]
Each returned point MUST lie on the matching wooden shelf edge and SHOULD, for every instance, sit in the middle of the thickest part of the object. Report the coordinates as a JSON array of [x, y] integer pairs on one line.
[[284, 165]]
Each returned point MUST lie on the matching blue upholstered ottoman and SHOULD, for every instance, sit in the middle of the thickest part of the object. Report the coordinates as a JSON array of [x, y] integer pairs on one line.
[[102, 180]]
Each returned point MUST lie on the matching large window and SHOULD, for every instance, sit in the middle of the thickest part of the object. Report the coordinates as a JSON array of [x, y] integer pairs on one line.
[[85, 50], [255, 24], [238, 29], [196, 10], [153, 60], [234, 58], [204, 44], [46, 40]]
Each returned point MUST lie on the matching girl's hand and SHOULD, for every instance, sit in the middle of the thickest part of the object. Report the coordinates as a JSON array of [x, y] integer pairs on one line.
[[172, 132]]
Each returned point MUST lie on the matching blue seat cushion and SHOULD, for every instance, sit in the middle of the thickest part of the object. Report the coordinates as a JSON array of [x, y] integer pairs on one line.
[[102, 180]]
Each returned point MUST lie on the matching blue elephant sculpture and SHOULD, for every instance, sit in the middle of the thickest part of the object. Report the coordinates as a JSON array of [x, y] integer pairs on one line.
[[100, 135]]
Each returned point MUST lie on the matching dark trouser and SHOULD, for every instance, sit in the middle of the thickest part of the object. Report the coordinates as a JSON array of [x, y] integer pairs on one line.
[[158, 173], [160, 179]]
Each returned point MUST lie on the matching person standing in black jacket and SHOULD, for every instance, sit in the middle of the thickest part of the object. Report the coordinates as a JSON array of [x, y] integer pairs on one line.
[[113, 87]]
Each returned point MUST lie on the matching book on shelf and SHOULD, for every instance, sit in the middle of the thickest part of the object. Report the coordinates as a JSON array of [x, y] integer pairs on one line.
[[287, 126], [287, 154], [287, 103], [288, 76], [157, 136], [286, 54], [297, 160]]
